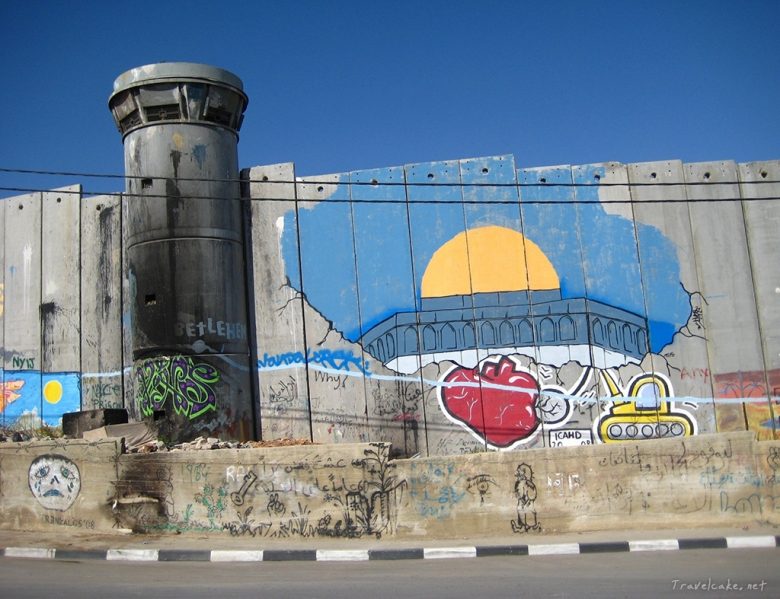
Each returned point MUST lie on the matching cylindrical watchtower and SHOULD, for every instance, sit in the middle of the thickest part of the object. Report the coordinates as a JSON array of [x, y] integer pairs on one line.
[[184, 246]]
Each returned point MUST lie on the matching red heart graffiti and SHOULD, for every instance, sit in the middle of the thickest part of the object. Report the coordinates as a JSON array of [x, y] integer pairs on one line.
[[500, 416]]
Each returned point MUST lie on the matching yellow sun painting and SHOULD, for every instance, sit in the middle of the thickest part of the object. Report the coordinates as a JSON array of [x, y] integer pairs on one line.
[[488, 259], [52, 391]]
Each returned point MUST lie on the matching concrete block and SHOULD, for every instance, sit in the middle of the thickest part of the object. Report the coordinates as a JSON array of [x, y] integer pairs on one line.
[[75, 423], [135, 434]]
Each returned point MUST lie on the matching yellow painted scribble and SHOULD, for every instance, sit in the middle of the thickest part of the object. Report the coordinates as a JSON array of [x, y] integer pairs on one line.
[[485, 260]]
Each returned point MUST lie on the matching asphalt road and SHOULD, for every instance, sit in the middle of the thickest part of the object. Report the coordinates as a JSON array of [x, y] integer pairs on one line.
[[692, 573]]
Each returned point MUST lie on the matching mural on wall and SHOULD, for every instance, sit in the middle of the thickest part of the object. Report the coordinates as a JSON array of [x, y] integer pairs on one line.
[[752, 387], [55, 481], [542, 322], [31, 399], [180, 380], [651, 415]]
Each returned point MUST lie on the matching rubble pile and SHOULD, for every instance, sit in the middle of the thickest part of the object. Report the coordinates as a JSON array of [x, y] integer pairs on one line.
[[202, 443], [141, 439]]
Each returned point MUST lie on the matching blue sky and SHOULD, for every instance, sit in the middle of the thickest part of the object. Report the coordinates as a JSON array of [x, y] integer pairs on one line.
[[341, 86]]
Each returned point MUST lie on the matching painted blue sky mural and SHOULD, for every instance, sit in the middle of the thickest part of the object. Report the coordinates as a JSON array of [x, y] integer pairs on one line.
[[45, 396], [364, 260]]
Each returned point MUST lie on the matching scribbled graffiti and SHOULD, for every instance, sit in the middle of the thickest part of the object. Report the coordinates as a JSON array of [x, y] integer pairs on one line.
[[282, 394], [436, 488], [372, 508], [480, 484], [19, 363], [570, 437], [55, 481], [563, 483], [101, 391], [525, 492], [339, 360], [318, 495], [237, 497], [187, 384], [214, 500]]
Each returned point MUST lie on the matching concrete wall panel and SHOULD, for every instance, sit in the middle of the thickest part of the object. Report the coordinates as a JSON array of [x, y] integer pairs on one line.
[[346, 490], [730, 318], [22, 359], [101, 303], [491, 206], [436, 216], [381, 228], [60, 310], [127, 317], [548, 219], [327, 252], [684, 360], [61, 280], [710, 480], [283, 398], [762, 221]]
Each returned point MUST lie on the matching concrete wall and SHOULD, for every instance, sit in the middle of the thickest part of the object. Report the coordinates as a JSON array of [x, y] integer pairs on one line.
[[637, 301], [445, 308], [355, 490], [55, 485]]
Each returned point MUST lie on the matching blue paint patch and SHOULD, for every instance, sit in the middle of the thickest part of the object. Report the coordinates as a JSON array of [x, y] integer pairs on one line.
[[43, 397], [199, 154], [365, 261], [381, 229], [661, 334]]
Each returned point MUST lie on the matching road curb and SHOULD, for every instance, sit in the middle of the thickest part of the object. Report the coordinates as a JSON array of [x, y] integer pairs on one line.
[[427, 553]]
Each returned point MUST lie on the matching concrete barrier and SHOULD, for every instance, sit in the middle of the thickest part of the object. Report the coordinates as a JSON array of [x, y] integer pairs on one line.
[[355, 490], [57, 484]]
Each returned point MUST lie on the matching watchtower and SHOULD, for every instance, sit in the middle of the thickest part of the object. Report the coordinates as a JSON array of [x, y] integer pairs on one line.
[[184, 247]]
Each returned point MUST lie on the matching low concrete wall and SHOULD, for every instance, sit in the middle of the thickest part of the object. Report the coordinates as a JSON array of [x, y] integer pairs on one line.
[[57, 484], [299, 491], [723, 480], [354, 490]]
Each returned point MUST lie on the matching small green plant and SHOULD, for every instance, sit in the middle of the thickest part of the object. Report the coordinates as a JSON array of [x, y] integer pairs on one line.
[[48, 432]]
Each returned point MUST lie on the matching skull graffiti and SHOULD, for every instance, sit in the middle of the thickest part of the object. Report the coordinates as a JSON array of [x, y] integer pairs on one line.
[[55, 481]]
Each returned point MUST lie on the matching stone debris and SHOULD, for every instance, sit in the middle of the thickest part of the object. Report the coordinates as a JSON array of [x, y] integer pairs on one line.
[[275, 443], [136, 443], [205, 443]]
